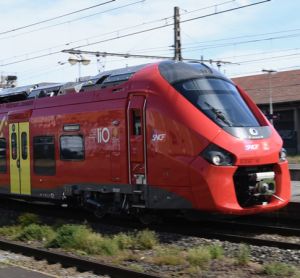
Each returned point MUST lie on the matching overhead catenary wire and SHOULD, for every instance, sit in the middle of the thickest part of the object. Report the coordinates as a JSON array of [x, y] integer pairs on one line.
[[261, 53], [207, 43], [139, 32], [186, 48], [127, 55], [165, 19], [54, 18], [130, 4], [248, 36], [32, 58], [213, 46], [72, 20], [269, 58], [171, 24], [167, 49]]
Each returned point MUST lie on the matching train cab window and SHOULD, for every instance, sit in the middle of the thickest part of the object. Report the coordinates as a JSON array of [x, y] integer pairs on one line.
[[136, 123], [24, 145], [44, 155], [71, 147], [219, 100], [3, 165]]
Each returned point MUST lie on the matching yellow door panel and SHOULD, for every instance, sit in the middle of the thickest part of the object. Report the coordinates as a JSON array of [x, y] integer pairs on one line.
[[20, 182], [14, 158], [24, 158]]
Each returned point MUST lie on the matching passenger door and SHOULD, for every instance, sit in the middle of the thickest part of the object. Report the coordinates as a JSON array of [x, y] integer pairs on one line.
[[136, 115], [19, 158]]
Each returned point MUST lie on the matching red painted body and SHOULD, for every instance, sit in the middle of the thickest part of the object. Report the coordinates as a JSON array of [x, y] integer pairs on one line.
[[173, 134]]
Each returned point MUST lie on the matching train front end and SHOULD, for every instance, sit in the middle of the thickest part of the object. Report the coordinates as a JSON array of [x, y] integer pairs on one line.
[[240, 167]]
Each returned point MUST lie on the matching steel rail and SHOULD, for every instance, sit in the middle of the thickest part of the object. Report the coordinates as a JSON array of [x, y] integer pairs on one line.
[[230, 230], [72, 261], [262, 227], [245, 239], [233, 232]]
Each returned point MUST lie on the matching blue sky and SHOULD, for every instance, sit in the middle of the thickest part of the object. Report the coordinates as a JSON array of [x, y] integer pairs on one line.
[[262, 36]]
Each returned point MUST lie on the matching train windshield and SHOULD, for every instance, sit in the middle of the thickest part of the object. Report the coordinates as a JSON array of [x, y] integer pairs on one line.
[[219, 100]]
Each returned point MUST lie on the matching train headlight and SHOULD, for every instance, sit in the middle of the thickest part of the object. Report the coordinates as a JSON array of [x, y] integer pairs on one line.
[[283, 155], [218, 156], [216, 159]]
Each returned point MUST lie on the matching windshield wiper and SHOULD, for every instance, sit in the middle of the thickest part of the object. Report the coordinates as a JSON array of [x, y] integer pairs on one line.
[[219, 114]]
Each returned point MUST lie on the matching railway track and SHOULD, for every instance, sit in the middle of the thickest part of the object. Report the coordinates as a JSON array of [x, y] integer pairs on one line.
[[226, 233], [235, 231], [238, 230], [284, 228], [71, 261], [254, 224]]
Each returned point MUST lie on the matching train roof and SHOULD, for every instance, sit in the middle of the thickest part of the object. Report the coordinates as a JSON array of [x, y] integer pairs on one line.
[[16, 90], [113, 76], [175, 72], [120, 71], [172, 71], [44, 89], [104, 79], [23, 92], [15, 94]]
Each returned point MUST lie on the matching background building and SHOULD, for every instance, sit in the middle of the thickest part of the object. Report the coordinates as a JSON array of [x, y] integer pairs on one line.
[[284, 90]]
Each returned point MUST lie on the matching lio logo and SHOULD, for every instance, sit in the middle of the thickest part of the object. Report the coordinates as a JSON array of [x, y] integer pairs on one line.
[[103, 135]]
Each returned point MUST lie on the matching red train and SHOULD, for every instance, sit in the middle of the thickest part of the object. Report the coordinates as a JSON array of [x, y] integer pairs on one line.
[[168, 136]]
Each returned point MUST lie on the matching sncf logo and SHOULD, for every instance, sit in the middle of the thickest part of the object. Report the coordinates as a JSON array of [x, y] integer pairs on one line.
[[158, 137], [251, 147]]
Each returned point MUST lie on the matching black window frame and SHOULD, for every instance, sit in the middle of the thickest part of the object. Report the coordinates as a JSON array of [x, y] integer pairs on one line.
[[42, 170], [3, 168], [14, 146], [136, 122], [61, 152], [24, 145]]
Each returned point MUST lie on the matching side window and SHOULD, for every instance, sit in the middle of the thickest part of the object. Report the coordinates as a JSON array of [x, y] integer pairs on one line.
[[24, 147], [71, 147], [44, 155], [14, 153], [3, 164], [136, 122]]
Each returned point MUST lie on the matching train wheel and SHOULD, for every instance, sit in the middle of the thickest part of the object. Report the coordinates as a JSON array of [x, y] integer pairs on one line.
[[195, 216], [100, 212], [148, 218]]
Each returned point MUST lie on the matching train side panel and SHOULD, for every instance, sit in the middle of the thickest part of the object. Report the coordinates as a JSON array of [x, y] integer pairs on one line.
[[4, 152], [81, 141], [100, 157]]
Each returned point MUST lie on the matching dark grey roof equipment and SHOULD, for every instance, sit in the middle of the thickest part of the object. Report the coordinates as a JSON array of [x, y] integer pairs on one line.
[[45, 90], [15, 94]]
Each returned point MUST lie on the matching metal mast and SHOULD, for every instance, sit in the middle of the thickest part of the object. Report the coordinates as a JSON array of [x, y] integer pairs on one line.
[[177, 37]]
